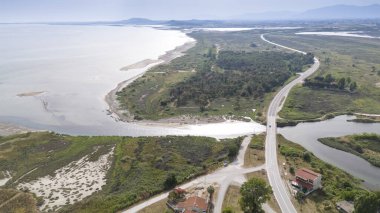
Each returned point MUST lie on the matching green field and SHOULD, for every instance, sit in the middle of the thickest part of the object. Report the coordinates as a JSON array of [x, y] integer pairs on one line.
[[342, 57], [337, 185], [366, 146], [225, 74]]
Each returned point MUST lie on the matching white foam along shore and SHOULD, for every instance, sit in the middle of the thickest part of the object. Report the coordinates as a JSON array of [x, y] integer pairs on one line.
[[357, 34], [71, 183], [111, 97]]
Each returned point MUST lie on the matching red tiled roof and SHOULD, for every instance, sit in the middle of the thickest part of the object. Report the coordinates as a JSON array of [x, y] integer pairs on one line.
[[193, 202], [307, 174]]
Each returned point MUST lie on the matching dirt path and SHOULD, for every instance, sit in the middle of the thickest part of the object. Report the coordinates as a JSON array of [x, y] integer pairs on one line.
[[10, 199]]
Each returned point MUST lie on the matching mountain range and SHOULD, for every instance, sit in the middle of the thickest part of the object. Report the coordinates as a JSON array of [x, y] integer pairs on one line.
[[324, 13], [336, 12]]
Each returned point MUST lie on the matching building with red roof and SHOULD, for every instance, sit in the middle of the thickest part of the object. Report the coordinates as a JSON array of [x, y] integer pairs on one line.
[[193, 204], [308, 180]]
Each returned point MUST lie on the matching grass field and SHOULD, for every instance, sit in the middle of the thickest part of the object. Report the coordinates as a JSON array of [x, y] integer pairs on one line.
[[255, 155], [356, 58], [231, 200], [336, 184], [16, 201], [157, 207], [366, 146]]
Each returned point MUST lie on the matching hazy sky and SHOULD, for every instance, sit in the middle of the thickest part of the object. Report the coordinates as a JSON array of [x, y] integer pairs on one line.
[[91, 10]]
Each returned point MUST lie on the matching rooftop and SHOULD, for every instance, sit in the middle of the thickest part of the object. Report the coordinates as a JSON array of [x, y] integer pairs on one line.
[[307, 174], [193, 203], [345, 206]]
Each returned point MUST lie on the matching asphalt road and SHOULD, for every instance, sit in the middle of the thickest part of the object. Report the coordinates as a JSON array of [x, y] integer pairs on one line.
[[280, 191]]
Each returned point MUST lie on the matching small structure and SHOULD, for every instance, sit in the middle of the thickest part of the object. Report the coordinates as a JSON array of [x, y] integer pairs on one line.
[[308, 180], [193, 204], [345, 206]]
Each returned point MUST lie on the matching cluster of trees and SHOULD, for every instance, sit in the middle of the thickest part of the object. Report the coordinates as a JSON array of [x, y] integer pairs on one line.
[[369, 202], [245, 74], [330, 82], [254, 193]]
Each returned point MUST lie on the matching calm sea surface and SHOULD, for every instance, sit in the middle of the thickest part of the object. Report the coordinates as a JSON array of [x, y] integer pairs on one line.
[[75, 67]]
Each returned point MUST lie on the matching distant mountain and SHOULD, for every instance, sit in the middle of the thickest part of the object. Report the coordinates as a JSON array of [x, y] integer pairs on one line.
[[272, 15], [342, 12], [331, 12], [141, 21]]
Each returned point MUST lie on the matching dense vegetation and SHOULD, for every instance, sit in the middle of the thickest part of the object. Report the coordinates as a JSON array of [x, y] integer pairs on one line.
[[144, 167], [331, 83], [224, 74], [368, 202], [366, 146], [243, 74], [336, 184]]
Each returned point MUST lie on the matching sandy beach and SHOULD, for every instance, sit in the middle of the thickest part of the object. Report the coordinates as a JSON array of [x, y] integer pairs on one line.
[[123, 114], [11, 129]]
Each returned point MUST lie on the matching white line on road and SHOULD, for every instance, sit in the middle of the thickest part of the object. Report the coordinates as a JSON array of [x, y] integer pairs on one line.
[[279, 189]]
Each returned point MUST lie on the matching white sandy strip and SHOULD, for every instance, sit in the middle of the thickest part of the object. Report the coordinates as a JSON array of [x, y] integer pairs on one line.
[[7, 177], [71, 183]]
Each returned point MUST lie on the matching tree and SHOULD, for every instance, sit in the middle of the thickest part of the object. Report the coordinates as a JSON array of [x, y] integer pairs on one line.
[[210, 191], [329, 79], [369, 203], [342, 83], [300, 196], [291, 170], [306, 156], [254, 193], [348, 80], [170, 182], [353, 86]]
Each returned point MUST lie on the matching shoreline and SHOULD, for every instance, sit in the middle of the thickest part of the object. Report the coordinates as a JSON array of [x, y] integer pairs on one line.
[[7, 129], [114, 109]]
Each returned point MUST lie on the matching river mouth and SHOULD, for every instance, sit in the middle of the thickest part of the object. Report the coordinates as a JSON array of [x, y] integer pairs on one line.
[[75, 67], [307, 134]]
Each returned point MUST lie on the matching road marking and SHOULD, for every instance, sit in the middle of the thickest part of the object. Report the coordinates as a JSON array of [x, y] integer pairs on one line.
[[275, 180]]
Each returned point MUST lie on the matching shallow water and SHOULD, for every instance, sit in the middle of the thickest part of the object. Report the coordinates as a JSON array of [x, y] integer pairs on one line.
[[306, 134], [75, 67]]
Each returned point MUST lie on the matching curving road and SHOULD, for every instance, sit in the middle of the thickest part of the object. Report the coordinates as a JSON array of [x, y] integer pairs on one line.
[[279, 188]]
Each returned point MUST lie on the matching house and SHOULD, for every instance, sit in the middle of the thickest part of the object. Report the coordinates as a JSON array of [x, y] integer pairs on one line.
[[345, 206], [193, 204], [308, 180]]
